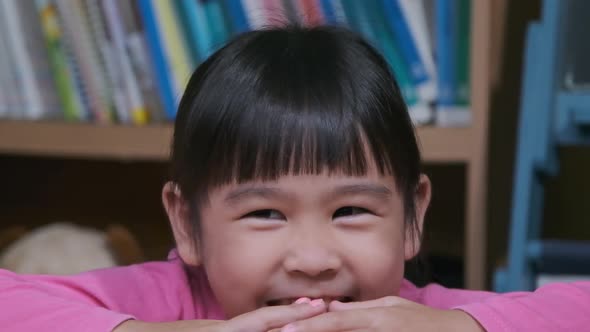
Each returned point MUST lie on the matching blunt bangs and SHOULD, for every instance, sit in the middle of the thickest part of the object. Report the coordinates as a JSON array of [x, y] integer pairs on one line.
[[292, 101]]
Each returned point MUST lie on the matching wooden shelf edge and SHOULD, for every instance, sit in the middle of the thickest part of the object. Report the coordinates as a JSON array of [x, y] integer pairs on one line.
[[446, 145], [54, 139]]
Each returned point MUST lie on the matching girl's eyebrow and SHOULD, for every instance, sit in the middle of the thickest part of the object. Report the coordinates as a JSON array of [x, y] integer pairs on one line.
[[238, 194], [377, 191]]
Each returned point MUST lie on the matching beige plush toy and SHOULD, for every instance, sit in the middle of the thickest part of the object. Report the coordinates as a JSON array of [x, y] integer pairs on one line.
[[66, 248]]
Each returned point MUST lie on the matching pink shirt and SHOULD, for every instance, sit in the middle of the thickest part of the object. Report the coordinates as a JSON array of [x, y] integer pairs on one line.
[[97, 301]]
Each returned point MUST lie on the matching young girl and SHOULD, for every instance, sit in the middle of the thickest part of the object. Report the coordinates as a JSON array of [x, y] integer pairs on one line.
[[295, 198]]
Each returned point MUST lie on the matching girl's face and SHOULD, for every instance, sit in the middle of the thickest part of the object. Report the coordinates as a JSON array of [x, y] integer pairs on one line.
[[318, 236]]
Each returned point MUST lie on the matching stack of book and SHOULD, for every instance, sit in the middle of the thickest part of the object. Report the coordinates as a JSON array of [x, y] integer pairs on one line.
[[128, 61]]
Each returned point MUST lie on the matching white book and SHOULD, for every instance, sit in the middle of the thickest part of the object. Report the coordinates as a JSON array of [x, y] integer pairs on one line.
[[114, 90], [415, 15], [137, 49], [121, 57], [6, 94], [23, 60], [452, 116], [255, 14]]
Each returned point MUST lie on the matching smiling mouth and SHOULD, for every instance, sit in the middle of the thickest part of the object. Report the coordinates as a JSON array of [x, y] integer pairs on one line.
[[327, 299]]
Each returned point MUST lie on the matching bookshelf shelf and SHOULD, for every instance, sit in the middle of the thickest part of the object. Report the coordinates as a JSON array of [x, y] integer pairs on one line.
[[151, 143], [88, 141]]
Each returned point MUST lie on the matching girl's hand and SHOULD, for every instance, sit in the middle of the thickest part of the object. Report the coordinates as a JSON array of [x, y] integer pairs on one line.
[[389, 313], [261, 320]]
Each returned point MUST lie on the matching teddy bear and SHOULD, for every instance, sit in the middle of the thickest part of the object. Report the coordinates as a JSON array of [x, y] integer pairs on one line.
[[66, 248]]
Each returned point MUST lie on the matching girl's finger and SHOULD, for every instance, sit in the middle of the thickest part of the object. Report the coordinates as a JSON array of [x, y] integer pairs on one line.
[[387, 301], [268, 318], [332, 322]]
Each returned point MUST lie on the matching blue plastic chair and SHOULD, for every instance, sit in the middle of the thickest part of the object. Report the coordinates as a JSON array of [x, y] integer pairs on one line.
[[553, 113]]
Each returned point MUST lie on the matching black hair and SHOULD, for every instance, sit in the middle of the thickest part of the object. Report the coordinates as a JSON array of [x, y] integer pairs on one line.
[[292, 100]]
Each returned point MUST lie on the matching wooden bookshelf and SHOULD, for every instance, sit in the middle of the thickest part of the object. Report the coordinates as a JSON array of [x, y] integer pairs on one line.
[[115, 142], [85, 141], [467, 146]]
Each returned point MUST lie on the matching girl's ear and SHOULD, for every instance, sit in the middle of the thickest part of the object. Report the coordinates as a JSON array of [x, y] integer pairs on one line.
[[421, 201], [178, 212]]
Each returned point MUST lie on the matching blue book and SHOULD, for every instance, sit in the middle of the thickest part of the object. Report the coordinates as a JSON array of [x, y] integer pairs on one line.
[[400, 28], [387, 44], [217, 22], [236, 16], [358, 18], [446, 46], [194, 23], [159, 60], [328, 10]]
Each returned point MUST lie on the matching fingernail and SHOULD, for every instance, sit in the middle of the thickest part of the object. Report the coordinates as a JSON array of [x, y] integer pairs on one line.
[[289, 328], [302, 300], [317, 302]]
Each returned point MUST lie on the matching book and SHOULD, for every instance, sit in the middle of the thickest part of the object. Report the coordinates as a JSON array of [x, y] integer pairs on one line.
[[449, 113], [463, 55], [310, 12], [291, 13], [159, 59], [196, 29], [28, 55], [328, 12], [217, 22], [173, 42], [236, 16], [398, 23], [11, 98], [114, 89], [416, 18], [84, 51], [419, 111], [136, 111], [255, 13]]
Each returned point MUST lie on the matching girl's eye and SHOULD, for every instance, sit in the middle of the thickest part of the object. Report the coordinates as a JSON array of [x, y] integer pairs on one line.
[[265, 214], [349, 211]]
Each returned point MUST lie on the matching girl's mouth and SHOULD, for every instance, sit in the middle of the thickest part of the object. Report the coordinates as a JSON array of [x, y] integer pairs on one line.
[[327, 299]]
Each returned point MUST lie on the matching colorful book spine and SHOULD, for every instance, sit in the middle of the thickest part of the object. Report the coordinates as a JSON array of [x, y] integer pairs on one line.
[[217, 23], [339, 13], [448, 112], [140, 58], [328, 12], [290, 11], [446, 46], [76, 31], [114, 90], [12, 99], [463, 53], [419, 111], [236, 15], [160, 62], [274, 12], [311, 12], [78, 87], [127, 78], [196, 28], [400, 28], [174, 46], [32, 106], [255, 13], [415, 13]]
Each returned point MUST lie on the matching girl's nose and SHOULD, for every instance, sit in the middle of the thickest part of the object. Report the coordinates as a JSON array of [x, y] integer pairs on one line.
[[313, 256]]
